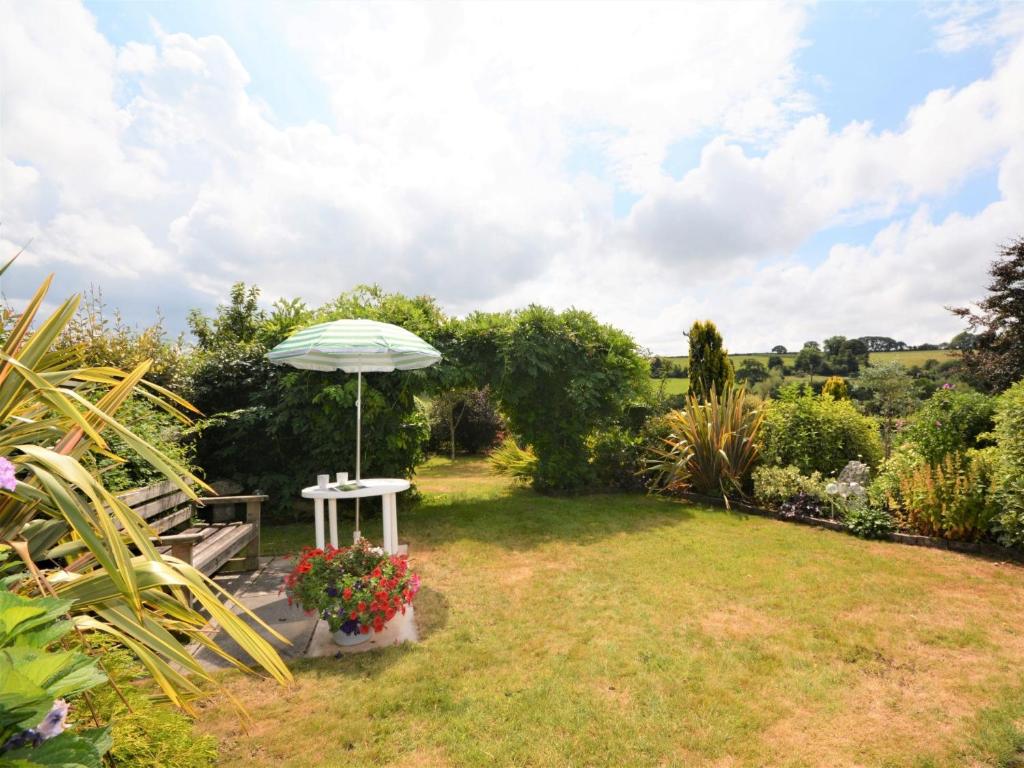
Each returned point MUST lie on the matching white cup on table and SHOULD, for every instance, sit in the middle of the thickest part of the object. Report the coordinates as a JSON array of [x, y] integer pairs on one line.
[[323, 480], [342, 478]]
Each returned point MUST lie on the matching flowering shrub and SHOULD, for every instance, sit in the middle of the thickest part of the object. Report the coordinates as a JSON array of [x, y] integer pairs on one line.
[[950, 499], [355, 589]]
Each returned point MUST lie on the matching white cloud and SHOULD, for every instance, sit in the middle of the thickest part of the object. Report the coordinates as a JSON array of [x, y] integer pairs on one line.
[[450, 167]]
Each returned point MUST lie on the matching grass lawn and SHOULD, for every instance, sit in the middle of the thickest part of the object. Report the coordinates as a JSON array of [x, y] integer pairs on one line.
[[621, 630]]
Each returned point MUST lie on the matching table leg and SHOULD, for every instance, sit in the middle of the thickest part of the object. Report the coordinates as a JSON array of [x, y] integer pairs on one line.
[[390, 514], [318, 505], [332, 506]]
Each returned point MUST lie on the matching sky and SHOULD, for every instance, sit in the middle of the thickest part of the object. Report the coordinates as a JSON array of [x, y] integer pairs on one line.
[[790, 171]]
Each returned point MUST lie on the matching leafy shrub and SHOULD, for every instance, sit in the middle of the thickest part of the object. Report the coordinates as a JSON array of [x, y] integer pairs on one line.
[[868, 522], [817, 434], [159, 429], [950, 499], [275, 428], [1008, 471], [558, 377], [512, 461], [33, 713], [616, 456], [950, 421], [775, 485], [712, 448], [835, 387], [885, 492]]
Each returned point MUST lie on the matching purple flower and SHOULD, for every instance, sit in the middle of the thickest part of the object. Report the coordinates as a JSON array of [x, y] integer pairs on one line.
[[7, 479], [947, 385]]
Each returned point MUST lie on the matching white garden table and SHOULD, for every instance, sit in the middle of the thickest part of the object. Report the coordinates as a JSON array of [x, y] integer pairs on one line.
[[386, 488]]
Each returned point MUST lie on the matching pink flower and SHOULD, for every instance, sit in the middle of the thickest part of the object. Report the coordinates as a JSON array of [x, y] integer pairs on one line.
[[7, 479]]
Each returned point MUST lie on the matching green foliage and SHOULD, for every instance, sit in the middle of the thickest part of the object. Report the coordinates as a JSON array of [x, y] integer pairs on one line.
[[146, 732], [275, 428], [884, 491], [817, 434], [995, 357], [710, 367], [94, 339], [159, 429], [868, 522], [34, 680], [809, 360], [616, 456], [751, 371], [59, 419], [950, 421], [836, 388], [712, 447], [1009, 465], [950, 499], [510, 460], [892, 397], [844, 356], [774, 485], [558, 377]]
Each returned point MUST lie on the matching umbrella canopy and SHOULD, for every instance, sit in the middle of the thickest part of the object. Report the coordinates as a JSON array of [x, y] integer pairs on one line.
[[355, 346]]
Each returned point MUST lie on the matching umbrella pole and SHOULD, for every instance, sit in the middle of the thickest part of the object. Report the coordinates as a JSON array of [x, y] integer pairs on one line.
[[359, 448]]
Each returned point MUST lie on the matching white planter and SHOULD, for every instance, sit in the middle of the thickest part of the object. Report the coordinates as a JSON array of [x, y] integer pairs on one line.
[[340, 638]]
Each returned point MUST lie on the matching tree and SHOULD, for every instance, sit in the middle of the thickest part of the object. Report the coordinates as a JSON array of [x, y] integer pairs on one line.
[[776, 361], [809, 360], [996, 358], [751, 371], [892, 397], [778, 349], [882, 344], [558, 377], [963, 340], [844, 356], [710, 367]]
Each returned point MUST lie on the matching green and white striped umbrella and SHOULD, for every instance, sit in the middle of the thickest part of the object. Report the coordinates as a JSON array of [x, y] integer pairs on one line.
[[355, 346]]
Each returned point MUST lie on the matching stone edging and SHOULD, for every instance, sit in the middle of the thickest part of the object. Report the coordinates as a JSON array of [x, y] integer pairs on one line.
[[966, 547]]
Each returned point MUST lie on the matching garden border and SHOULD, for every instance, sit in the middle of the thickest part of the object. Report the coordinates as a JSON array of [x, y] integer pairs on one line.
[[985, 549]]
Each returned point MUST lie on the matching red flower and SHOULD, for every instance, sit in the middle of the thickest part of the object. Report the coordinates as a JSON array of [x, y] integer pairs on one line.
[[346, 593], [364, 629]]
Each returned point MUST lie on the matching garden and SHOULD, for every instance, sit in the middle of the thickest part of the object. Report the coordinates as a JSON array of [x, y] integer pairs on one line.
[[602, 572]]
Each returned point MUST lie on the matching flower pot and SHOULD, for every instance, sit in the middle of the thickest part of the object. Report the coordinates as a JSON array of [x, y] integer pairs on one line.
[[343, 639]]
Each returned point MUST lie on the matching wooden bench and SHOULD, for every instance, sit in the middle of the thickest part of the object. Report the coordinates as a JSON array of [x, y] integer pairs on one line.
[[220, 543]]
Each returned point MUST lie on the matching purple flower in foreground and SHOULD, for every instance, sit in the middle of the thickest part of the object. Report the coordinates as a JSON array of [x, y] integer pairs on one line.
[[7, 480], [947, 385]]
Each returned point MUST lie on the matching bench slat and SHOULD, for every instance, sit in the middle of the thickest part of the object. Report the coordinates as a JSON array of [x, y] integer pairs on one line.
[[169, 521], [212, 553], [163, 504], [131, 498]]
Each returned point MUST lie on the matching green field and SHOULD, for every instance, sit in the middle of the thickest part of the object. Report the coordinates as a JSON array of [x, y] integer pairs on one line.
[[627, 630], [916, 357]]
